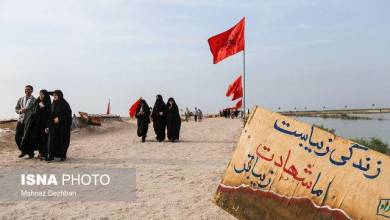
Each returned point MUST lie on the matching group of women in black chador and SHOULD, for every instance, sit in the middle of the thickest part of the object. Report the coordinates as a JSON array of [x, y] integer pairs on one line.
[[164, 117], [48, 127]]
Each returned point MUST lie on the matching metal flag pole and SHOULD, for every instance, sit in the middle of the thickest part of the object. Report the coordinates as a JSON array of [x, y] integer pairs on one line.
[[243, 89]]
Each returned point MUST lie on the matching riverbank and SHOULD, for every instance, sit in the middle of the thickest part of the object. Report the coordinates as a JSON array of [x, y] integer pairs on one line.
[[347, 114]]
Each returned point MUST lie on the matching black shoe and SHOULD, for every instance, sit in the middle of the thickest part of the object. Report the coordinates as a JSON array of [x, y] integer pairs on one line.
[[22, 155], [49, 159], [31, 156], [63, 159]]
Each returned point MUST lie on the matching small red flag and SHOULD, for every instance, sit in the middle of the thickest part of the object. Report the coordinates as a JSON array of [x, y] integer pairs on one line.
[[238, 92], [228, 43], [239, 104], [134, 107], [108, 111], [234, 86]]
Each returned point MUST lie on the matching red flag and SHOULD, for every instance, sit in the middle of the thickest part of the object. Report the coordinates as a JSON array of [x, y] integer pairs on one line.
[[134, 107], [233, 87], [239, 104], [108, 111], [228, 43], [238, 92]]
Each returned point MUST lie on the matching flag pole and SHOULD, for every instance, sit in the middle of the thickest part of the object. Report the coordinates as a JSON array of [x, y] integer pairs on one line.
[[244, 93], [244, 79]]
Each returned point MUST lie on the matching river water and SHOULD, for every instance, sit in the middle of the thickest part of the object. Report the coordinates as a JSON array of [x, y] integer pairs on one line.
[[378, 126]]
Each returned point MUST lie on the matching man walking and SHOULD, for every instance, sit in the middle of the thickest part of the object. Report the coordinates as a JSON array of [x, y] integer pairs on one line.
[[23, 108]]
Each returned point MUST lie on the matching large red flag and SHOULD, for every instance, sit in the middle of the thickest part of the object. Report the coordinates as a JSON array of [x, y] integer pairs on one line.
[[134, 107], [233, 87], [228, 43]]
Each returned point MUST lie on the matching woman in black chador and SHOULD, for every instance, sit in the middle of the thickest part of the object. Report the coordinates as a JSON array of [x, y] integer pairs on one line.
[[158, 117], [59, 127], [42, 111], [35, 136], [173, 120], [142, 114]]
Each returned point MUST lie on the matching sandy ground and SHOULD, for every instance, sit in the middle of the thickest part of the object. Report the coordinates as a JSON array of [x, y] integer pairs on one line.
[[174, 180]]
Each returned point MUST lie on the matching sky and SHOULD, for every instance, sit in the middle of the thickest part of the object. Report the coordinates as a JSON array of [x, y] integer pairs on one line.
[[299, 53]]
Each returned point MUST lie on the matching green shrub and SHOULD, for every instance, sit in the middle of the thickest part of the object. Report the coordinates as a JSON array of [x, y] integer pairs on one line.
[[373, 143]]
